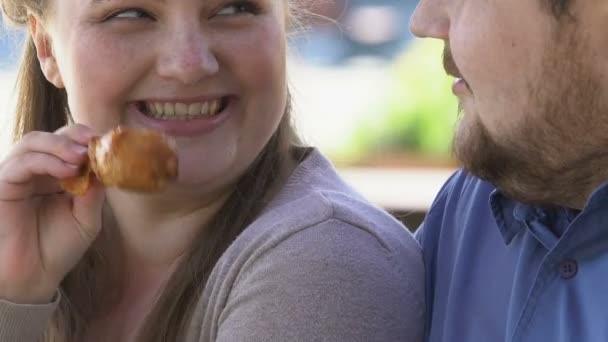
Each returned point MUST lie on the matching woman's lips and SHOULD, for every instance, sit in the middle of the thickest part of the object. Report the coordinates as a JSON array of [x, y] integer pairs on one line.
[[180, 127]]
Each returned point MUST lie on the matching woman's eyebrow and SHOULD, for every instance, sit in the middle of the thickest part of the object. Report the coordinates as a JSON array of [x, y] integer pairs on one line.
[[100, 2]]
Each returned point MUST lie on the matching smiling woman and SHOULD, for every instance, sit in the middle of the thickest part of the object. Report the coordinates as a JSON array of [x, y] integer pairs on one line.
[[255, 239]]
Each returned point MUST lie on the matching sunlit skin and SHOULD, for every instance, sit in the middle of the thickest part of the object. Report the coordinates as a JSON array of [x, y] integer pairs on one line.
[[112, 57], [532, 91]]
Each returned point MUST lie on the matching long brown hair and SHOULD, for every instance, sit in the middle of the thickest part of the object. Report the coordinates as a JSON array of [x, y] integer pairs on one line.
[[40, 105], [43, 107]]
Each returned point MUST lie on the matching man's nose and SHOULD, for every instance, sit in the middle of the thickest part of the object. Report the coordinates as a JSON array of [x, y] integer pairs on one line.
[[187, 57], [430, 19]]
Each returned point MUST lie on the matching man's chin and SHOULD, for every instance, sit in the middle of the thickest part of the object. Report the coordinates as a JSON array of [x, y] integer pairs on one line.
[[479, 154], [515, 175]]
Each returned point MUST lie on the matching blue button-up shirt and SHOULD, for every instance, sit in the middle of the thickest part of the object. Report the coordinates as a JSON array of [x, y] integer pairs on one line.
[[498, 270]]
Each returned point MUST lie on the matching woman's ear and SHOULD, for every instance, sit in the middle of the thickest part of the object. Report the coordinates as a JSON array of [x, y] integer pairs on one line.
[[44, 52]]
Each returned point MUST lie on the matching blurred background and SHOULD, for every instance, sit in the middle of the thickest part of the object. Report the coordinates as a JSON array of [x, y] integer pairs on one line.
[[366, 92]]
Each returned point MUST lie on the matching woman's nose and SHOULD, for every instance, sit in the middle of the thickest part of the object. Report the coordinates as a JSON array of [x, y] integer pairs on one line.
[[187, 57], [430, 19]]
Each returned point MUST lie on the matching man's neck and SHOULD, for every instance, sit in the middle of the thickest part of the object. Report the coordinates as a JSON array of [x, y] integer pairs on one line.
[[566, 193]]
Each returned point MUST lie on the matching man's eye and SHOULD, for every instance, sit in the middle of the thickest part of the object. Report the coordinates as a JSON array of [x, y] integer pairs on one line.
[[129, 13], [239, 7]]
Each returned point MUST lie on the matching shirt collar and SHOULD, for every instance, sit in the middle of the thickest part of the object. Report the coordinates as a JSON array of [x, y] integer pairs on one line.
[[511, 216], [508, 215], [545, 224], [598, 198]]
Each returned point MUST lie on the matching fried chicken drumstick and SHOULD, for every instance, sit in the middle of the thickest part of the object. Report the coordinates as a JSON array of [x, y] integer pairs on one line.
[[131, 159]]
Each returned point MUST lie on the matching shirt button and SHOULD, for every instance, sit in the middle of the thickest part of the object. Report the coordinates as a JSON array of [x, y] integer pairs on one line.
[[568, 269]]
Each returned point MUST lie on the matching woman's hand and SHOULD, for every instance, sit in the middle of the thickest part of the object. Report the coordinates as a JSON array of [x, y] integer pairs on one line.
[[44, 232]]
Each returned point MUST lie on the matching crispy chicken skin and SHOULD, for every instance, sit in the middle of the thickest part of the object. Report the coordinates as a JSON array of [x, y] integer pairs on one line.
[[132, 159], [79, 185]]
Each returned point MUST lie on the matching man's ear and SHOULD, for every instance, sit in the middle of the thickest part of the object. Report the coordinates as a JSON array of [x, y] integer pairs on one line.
[[44, 52]]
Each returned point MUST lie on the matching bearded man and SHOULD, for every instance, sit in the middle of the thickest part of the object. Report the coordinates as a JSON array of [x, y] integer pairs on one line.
[[516, 242]]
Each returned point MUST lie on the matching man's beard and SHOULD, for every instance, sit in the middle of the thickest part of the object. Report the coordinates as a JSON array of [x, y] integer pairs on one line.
[[557, 156]]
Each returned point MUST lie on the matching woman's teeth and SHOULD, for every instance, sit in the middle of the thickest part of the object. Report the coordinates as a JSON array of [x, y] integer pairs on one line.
[[182, 111]]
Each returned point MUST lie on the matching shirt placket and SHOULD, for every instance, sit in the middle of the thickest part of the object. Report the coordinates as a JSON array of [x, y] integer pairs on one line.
[[556, 265]]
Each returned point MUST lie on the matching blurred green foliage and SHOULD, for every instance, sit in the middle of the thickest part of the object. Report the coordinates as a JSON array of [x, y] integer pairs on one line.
[[419, 112]]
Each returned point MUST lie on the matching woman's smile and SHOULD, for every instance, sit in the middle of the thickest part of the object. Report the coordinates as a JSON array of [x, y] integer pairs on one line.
[[181, 117]]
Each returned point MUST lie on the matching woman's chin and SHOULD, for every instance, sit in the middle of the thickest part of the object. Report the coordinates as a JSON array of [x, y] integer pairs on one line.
[[197, 183]]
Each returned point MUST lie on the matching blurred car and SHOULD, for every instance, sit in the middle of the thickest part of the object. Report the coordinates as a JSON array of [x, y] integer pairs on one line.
[[371, 28]]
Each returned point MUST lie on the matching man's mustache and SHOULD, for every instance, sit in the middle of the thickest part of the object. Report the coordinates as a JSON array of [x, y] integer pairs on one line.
[[448, 62]]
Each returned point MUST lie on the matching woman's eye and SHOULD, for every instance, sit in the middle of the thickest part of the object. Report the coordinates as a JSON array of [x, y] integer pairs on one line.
[[130, 13], [239, 7]]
